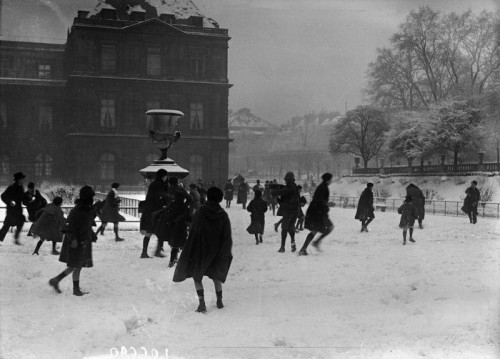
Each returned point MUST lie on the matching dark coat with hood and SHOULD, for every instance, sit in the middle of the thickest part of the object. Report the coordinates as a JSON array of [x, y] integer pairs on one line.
[[365, 206], [156, 199], [472, 200], [50, 224], [176, 221], [111, 209], [34, 202], [243, 193], [207, 251], [228, 192], [14, 193], [317, 212], [418, 200], [288, 199], [78, 227], [257, 207]]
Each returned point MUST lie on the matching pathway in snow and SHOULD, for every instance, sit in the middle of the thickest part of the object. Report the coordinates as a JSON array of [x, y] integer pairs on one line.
[[365, 296]]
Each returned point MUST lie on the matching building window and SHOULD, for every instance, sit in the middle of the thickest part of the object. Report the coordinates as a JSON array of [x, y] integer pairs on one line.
[[197, 64], [44, 71], [6, 66], [4, 165], [43, 165], [108, 59], [45, 118], [107, 165], [153, 62], [108, 113], [3, 115], [196, 167], [196, 120]]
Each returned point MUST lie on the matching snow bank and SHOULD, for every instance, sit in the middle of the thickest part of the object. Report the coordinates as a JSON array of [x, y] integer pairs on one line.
[[365, 296]]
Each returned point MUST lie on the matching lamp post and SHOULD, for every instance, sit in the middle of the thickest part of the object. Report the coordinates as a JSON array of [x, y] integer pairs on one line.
[[162, 129]]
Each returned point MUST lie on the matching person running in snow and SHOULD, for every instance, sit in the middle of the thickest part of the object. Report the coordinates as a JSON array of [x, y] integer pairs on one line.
[[207, 251], [471, 202], [289, 208], [228, 193], [418, 202], [13, 197], [317, 215], [243, 189], [177, 219], [300, 220], [76, 250], [111, 212], [409, 214], [365, 211], [257, 207], [49, 225], [156, 199], [34, 202]]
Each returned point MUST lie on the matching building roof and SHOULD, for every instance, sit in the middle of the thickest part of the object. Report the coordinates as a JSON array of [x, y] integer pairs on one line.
[[244, 119], [182, 9]]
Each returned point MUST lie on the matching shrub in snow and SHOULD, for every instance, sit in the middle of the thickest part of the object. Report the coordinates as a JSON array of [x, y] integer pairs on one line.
[[68, 192]]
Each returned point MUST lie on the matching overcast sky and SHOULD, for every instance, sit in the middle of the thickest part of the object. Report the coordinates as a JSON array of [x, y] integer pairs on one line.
[[286, 57]]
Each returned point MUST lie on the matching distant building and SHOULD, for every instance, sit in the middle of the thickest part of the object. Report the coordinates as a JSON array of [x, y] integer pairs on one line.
[[75, 111], [245, 121]]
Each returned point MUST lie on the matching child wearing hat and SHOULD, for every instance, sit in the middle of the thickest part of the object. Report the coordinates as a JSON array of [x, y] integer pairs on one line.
[[409, 214]]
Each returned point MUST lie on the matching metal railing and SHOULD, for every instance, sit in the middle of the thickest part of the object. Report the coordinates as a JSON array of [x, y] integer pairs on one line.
[[447, 208]]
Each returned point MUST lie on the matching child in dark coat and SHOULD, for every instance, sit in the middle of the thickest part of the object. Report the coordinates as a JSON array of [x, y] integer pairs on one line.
[[409, 214], [49, 225], [257, 207], [300, 220]]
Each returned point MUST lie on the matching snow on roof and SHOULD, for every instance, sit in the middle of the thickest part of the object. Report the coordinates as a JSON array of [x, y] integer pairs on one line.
[[331, 121], [244, 118], [137, 8], [182, 9]]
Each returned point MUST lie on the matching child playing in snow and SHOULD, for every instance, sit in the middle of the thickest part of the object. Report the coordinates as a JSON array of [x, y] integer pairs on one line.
[[408, 214], [257, 207], [300, 220]]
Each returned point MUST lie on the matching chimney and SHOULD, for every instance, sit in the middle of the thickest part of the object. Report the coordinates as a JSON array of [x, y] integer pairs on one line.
[[168, 18], [82, 14], [196, 21], [108, 13]]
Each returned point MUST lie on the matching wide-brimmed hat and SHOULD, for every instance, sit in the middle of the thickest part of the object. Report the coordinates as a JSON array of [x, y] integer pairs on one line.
[[18, 176]]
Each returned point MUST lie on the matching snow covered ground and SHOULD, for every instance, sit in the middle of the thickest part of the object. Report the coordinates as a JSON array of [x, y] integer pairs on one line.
[[364, 296]]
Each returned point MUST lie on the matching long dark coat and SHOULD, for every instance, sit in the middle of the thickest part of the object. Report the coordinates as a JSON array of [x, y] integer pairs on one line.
[[176, 222], [207, 251], [78, 226], [14, 193], [34, 202], [365, 206], [257, 207], [50, 224], [317, 213], [289, 205], [156, 199], [161, 218], [228, 192], [418, 200], [195, 202], [243, 193], [266, 195], [110, 210], [472, 200], [409, 214]]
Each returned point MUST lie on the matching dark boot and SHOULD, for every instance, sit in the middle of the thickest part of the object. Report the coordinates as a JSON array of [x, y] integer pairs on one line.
[[202, 308], [260, 238], [54, 250], [38, 245], [159, 249], [256, 239], [173, 257], [420, 225], [145, 243], [303, 250], [219, 299], [76, 289], [117, 237], [54, 282], [283, 242], [292, 238]]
